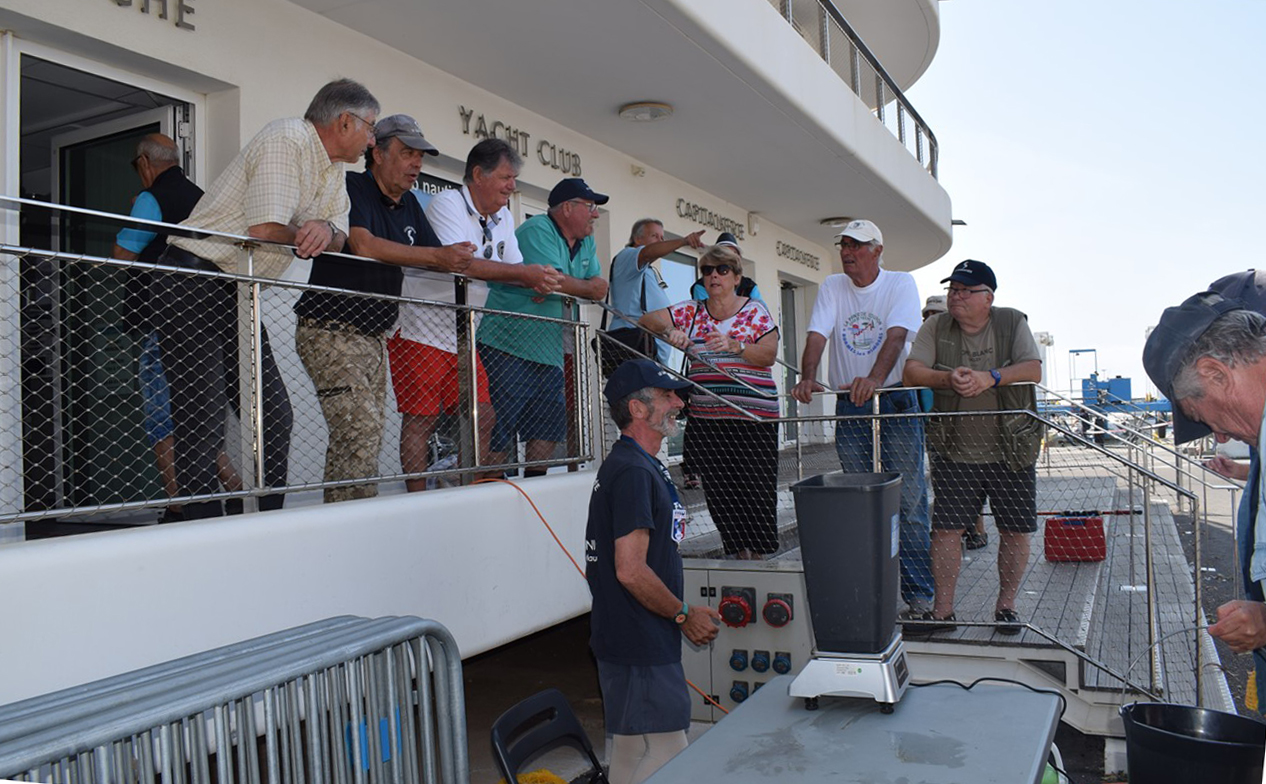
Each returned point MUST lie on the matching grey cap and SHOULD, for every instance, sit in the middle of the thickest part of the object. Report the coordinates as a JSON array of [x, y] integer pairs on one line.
[[1172, 340], [406, 129]]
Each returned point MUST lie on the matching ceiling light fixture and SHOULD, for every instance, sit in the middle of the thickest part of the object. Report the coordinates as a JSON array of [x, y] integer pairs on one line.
[[645, 111], [837, 222]]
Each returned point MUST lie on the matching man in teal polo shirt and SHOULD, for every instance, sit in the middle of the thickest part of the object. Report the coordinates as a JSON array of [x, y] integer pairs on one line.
[[524, 357]]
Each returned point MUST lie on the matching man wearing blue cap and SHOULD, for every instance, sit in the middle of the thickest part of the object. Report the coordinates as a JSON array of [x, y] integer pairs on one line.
[[977, 357], [636, 522], [524, 357], [1208, 356]]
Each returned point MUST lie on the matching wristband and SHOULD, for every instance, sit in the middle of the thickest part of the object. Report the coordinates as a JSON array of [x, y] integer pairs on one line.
[[997, 377], [680, 617]]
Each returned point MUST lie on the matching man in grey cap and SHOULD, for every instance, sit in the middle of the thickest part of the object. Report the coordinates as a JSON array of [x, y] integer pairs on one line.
[[341, 338], [1208, 356]]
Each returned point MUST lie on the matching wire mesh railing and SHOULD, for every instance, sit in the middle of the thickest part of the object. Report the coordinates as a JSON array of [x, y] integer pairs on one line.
[[342, 700], [829, 34], [173, 385]]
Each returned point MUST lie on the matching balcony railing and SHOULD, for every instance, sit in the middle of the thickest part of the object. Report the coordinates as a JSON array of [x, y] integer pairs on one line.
[[89, 405], [825, 29]]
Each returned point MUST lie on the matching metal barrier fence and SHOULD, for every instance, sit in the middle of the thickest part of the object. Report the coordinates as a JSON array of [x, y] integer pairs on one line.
[[140, 388], [825, 29], [342, 700]]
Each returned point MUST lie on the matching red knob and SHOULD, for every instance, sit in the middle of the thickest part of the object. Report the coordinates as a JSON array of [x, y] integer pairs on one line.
[[735, 611], [776, 612]]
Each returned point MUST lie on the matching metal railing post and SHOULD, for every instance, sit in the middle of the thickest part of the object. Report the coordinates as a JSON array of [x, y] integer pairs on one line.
[[572, 308], [875, 453], [1150, 578], [1198, 615], [468, 412], [249, 359]]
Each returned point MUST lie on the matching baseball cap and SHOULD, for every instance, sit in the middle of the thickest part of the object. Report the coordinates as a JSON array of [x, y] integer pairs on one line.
[[862, 231], [727, 239], [1248, 288], [406, 129], [637, 374], [575, 188], [935, 304], [973, 273], [1172, 339]]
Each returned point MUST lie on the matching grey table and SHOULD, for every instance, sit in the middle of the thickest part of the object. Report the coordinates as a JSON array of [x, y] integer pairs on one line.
[[938, 734]]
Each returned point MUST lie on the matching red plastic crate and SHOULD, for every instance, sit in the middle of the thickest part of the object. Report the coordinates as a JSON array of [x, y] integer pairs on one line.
[[1075, 539]]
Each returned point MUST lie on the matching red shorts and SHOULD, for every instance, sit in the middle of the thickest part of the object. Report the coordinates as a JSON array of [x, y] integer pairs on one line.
[[425, 378]]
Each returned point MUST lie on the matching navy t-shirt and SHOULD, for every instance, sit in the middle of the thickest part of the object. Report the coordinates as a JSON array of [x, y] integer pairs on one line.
[[630, 493], [373, 211]]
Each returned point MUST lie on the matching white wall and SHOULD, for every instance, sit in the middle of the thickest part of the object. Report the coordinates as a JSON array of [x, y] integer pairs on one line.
[[475, 559]]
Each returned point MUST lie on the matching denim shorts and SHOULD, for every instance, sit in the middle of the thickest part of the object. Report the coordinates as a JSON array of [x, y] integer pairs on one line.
[[155, 396], [527, 398]]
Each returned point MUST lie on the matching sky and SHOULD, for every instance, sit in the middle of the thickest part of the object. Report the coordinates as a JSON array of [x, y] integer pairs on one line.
[[1108, 157]]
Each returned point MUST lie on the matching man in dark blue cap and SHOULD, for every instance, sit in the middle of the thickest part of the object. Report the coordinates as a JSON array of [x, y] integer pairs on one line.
[[524, 357], [1208, 356], [978, 357], [636, 522]]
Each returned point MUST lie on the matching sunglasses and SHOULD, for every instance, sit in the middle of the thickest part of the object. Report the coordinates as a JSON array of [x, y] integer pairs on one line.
[[721, 269]]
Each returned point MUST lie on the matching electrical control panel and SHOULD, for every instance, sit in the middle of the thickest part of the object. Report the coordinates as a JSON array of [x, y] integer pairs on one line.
[[764, 632]]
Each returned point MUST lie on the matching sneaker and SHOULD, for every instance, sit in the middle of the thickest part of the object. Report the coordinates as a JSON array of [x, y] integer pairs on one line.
[[920, 625], [1008, 622], [975, 541], [691, 482]]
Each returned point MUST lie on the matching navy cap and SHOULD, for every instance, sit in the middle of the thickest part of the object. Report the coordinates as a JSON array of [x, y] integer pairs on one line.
[[637, 374], [727, 239], [973, 273], [1172, 339], [1248, 291], [575, 188]]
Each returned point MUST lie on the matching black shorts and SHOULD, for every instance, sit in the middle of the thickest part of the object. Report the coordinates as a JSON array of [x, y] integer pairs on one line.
[[639, 699], [961, 490]]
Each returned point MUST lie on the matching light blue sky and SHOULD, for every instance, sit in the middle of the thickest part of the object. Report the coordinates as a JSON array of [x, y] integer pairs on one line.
[[1108, 157]]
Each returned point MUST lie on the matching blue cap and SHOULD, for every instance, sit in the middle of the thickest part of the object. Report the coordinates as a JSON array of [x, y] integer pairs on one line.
[[575, 188], [1166, 348], [1182, 325], [637, 374], [973, 273]]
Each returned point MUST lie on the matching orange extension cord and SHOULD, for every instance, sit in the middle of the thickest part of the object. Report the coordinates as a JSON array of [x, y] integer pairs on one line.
[[559, 542]]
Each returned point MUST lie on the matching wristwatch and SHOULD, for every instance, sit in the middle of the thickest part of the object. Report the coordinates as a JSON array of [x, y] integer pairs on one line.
[[997, 377], [680, 617]]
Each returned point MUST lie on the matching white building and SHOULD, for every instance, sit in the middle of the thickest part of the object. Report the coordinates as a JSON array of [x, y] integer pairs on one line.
[[766, 138]]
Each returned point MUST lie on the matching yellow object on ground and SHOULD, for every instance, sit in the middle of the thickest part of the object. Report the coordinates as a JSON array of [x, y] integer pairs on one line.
[[1250, 697], [541, 776]]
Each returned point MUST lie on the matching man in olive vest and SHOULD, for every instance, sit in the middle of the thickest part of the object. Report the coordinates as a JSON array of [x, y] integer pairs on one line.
[[977, 357]]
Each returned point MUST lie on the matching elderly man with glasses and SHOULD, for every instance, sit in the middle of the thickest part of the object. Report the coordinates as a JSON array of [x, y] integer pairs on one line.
[[524, 357], [977, 357], [424, 360], [867, 314]]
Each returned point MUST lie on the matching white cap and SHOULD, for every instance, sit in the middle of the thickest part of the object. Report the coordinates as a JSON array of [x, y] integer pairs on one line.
[[862, 231], [935, 304]]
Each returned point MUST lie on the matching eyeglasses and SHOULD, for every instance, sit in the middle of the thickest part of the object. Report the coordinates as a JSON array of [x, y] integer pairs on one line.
[[588, 205], [963, 293], [136, 162], [721, 269], [362, 119]]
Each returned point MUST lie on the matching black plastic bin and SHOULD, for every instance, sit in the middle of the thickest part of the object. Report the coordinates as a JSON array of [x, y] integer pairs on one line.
[[1177, 744], [849, 527]]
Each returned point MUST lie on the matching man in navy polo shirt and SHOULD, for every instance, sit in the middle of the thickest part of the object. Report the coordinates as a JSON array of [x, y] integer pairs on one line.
[[341, 338], [634, 571]]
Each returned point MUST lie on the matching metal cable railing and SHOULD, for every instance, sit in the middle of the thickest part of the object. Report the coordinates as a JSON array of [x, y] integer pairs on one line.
[[828, 33]]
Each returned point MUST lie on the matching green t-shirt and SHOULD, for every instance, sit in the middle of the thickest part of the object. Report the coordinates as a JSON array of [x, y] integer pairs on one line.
[[536, 341]]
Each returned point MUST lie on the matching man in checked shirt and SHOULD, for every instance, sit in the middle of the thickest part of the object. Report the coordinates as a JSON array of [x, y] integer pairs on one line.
[[423, 351], [285, 186]]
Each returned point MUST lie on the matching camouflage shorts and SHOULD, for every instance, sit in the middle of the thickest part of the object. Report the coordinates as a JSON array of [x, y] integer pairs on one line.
[[349, 372]]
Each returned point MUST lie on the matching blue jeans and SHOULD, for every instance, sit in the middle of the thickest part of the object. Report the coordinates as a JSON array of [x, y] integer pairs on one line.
[[901, 450]]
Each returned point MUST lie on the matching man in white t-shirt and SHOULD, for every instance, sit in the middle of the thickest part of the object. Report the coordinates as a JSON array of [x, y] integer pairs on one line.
[[868, 314], [423, 351]]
